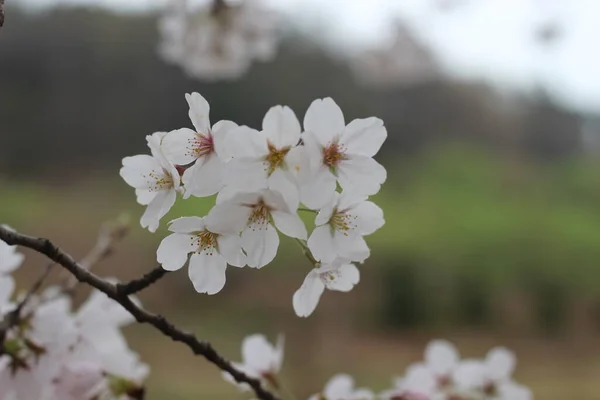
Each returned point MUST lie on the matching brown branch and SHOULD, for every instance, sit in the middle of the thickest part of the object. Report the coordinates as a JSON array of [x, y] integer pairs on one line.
[[137, 285], [198, 347]]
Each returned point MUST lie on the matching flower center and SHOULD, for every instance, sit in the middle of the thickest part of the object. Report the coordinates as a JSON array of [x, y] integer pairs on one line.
[[158, 180], [333, 154], [342, 221], [206, 242], [201, 145], [275, 157], [259, 219]]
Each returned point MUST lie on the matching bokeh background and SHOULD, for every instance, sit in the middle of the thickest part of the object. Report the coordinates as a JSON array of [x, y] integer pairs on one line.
[[492, 202]]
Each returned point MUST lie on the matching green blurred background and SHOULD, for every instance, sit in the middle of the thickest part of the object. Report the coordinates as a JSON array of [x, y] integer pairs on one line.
[[492, 207]]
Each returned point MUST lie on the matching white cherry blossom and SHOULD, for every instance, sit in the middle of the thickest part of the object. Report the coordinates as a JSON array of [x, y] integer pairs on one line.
[[260, 360], [155, 179], [212, 242], [217, 40], [261, 160], [204, 147], [262, 212], [341, 225], [340, 153], [492, 376], [341, 387], [339, 276]]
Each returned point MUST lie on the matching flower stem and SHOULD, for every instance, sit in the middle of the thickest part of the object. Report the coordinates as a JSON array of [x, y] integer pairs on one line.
[[307, 252], [308, 210]]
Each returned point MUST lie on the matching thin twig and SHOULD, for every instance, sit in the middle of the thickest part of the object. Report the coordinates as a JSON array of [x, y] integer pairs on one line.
[[137, 285], [110, 234], [203, 348], [1, 13]]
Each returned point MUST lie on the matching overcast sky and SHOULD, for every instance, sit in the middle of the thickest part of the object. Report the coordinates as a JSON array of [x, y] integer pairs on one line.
[[491, 39]]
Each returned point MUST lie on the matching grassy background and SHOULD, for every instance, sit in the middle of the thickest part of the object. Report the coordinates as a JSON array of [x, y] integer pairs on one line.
[[477, 248]]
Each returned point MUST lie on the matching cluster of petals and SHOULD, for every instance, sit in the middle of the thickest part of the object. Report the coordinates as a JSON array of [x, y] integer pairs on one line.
[[262, 179], [444, 376], [61, 354], [217, 40]]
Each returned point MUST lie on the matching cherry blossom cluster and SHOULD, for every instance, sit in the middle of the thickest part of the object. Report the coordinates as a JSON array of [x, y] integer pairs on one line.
[[52, 352], [441, 376], [218, 39], [261, 179]]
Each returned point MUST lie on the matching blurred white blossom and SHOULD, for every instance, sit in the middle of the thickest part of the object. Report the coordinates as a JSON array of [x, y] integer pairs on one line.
[[218, 40]]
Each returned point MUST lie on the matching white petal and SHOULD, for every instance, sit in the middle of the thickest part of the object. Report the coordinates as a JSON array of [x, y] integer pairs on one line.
[[514, 391], [173, 251], [279, 351], [245, 175], [274, 200], [367, 217], [283, 182], [361, 174], [199, 112], [158, 207], [281, 127], [204, 179], [187, 225], [351, 248], [220, 132], [136, 168], [306, 298], [257, 353], [364, 136], [227, 193], [350, 199], [289, 224], [321, 244], [326, 211], [342, 279], [245, 142], [178, 146], [260, 245], [325, 120], [501, 363], [227, 218], [144, 196], [230, 247], [207, 272], [469, 375], [298, 164], [441, 356], [319, 189], [339, 387]]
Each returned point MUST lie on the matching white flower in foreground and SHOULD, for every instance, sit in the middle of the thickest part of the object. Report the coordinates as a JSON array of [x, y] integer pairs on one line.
[[340, 153], [10, 259], [442, 359], [203, 147], [341, 387], [217, 40], [79, 380], [261, 213], [341, 225], [261, 159], [492, 377], [338, 276], [260, 359], [155, 179], [212, 242]]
